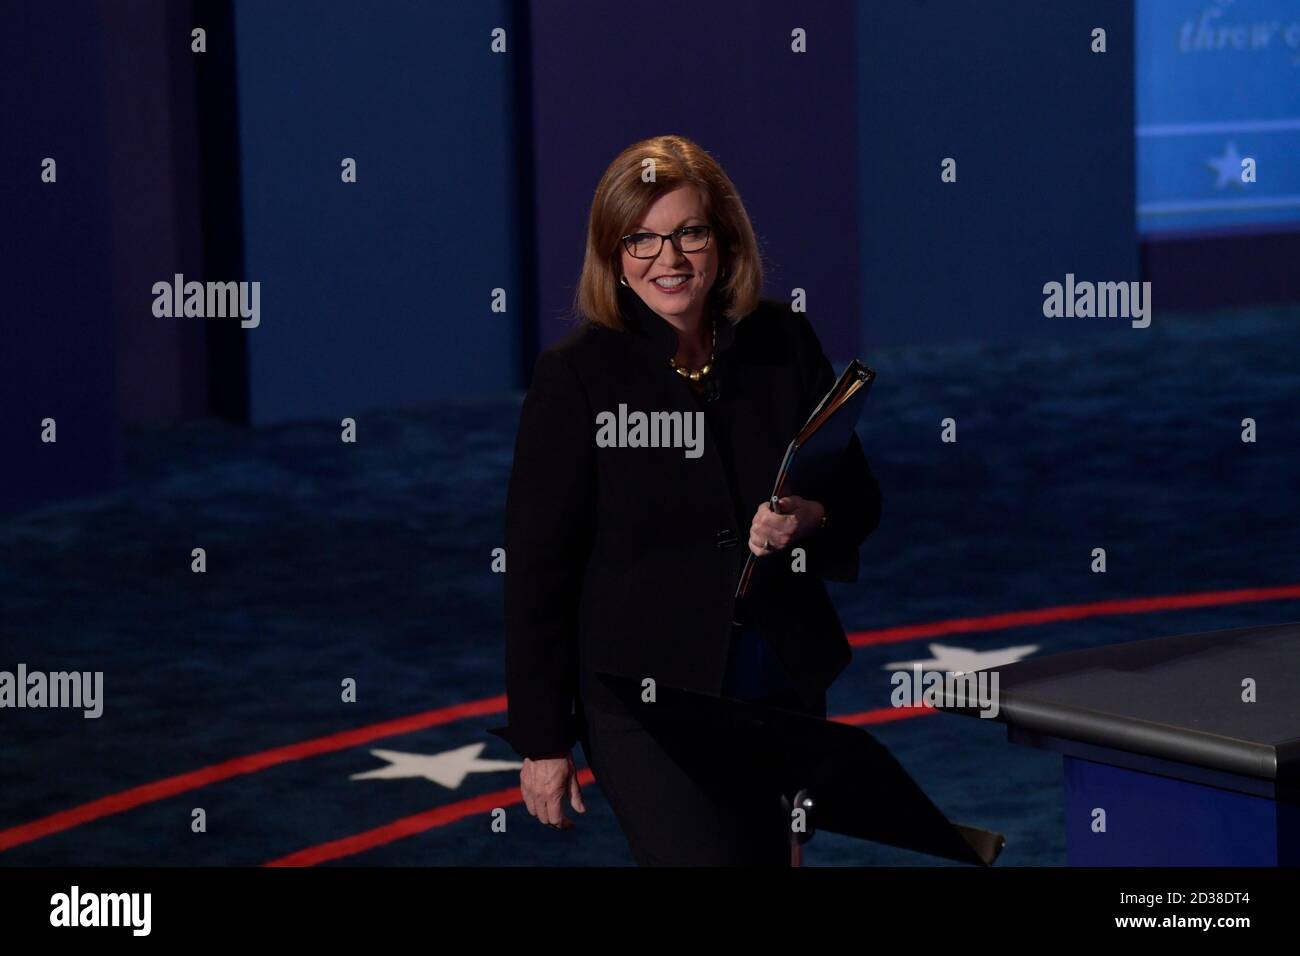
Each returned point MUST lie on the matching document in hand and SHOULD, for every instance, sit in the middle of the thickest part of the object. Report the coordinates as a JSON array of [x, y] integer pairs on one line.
[[814, 452]]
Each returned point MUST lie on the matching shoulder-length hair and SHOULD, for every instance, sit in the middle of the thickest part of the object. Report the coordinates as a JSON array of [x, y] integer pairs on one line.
[[621, 200]]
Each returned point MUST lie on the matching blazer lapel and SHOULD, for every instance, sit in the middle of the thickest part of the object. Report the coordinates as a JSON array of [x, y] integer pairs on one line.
[[656, 338]]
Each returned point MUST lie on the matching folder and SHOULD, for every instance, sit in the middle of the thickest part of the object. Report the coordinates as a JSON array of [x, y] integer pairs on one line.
[[812, 455]]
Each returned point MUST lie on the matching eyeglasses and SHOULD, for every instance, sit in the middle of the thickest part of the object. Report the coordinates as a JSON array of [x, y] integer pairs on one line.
[[646, 245]]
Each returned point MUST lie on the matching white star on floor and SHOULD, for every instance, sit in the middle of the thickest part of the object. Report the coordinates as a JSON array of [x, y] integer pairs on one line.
[[449, 768], [1228, 166], [962, 660]]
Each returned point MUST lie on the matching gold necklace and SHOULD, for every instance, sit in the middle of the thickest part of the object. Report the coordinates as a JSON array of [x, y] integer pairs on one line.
[[696, 374]]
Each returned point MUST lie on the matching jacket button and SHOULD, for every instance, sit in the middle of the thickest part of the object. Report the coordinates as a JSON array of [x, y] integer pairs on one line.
[[727, 539]]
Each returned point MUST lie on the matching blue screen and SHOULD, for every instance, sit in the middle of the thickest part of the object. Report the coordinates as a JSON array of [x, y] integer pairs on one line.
[[1218, 81]]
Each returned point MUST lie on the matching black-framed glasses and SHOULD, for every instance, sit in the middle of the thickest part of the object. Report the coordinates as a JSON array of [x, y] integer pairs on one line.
[[646, 245]]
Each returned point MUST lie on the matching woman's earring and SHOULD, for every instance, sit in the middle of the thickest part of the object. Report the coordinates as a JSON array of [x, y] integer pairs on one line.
[[623, 279]]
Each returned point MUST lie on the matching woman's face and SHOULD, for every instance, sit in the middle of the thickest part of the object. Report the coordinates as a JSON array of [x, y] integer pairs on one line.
[[683, 206]]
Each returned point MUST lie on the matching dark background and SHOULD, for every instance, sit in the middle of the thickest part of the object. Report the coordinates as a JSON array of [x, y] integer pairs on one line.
[[372, 561]]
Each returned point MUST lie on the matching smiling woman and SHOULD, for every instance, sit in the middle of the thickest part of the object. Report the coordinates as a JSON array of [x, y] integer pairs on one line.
[[671, 323], [689, 190]]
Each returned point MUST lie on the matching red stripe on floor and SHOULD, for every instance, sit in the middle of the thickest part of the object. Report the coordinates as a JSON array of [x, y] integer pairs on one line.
[[1072, 612], [409, 826], [252, 763], [485, 803]]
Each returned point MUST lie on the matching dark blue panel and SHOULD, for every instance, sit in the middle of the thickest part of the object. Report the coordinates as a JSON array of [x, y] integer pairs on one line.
[[1159, 821], [376, 294], [780, 123], [1042, 132], [56, 360]]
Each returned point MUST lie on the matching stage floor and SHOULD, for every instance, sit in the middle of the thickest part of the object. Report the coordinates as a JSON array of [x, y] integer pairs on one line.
[[372, 562]]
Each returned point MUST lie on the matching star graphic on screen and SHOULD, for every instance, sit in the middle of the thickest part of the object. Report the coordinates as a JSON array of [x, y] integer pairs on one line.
[[963, 660], [1228, 166], [449, 768]]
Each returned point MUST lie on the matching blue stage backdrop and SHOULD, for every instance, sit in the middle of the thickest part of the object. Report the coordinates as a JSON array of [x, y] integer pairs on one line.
[[56, 360], [153, 183], [781, 123], [1041, 129], [376, 294], [1218, 81]]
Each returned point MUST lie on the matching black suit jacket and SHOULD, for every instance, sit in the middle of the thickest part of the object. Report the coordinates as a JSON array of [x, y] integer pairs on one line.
[[626, 558]]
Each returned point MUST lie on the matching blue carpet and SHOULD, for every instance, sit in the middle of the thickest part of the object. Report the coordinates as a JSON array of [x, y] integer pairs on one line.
[[372, 561]]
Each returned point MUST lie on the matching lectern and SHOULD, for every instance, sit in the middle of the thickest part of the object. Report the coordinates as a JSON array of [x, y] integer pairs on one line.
[[1177, 751]]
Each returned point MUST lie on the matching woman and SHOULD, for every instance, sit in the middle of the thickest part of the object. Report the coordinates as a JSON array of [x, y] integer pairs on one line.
[[623, 556]]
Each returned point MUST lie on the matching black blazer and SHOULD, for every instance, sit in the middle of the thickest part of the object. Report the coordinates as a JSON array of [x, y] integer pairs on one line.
[[626, 558]]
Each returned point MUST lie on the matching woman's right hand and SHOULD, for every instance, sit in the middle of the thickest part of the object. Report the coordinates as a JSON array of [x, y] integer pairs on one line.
[[545, 783]]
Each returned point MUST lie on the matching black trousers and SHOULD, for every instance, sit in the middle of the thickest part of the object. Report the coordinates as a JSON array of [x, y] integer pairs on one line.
[[692, 800]]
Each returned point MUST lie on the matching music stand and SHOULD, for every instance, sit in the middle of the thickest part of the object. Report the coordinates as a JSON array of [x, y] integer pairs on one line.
[[844, 779]]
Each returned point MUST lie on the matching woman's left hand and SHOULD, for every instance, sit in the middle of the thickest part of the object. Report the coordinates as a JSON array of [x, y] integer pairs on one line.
[[794, 519]]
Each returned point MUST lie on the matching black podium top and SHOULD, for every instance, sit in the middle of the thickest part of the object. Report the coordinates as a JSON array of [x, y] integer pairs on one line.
[[1176, 698]]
